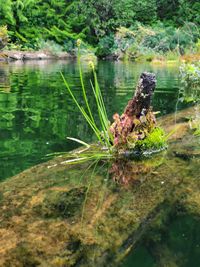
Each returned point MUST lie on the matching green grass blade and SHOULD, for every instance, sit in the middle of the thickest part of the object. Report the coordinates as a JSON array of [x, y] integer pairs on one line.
[[78, 141], [90, 122], [101, 117], [83, 87]]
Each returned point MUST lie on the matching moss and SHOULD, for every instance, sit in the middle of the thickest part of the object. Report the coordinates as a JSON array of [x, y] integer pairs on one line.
[[62, 204], [114, 216], [22, 257], [155, 140]]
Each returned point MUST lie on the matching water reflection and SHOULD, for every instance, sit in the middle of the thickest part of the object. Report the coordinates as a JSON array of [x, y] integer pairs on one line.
[[127, 172], [176, 243], [37, 114], [95, 213]]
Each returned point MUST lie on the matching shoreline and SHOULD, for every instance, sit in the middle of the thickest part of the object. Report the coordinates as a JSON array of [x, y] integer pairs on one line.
[[32, 55], [12, 55]]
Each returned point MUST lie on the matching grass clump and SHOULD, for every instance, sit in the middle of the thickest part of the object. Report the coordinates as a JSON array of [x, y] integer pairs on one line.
[[102, 133]]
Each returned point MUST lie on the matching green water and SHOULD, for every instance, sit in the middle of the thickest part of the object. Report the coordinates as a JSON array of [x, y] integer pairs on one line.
[[36, 114], [117, 213], [176, 244]]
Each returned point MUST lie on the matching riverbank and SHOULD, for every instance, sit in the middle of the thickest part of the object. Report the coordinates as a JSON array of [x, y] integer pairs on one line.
[[33, 55], [14, 55]]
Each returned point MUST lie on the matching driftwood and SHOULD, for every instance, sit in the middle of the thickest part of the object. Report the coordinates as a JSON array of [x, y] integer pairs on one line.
[[137, 117]]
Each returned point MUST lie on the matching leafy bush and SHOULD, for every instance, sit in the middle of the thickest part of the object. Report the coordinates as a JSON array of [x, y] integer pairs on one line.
[[106, 46], [3, 36], [190, 75], [50, 47], [146, 41], [190, 81], [170, 38]]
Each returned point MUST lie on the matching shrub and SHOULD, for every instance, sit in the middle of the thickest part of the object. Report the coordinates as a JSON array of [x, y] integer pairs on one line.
[[50, 47], [106, 46], [3, 36], [190, 75], [190, 80]]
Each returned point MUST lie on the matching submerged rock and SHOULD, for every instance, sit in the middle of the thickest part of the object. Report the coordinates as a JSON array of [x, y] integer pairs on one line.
[[86, 215]]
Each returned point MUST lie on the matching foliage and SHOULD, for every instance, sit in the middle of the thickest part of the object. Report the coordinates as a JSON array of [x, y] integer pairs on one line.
[[198, 46], [50, 46], [190, 75], [64, 22], [30, 21], [190, 82], [149, 41], [3, 36]]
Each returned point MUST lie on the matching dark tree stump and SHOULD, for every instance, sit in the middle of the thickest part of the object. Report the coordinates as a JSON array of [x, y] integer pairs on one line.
[[137, 118], [141, 101]]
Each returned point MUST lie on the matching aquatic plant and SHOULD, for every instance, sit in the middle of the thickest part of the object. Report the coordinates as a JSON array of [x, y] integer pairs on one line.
[[156, 139], [194, 122], [190, 75], [135, 129], [190, 82], [103, 134]]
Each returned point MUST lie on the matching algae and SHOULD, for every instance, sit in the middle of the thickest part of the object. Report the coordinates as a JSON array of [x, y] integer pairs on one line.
[[56, 215]]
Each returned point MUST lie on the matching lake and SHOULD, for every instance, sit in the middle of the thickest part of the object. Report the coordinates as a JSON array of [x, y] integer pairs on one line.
[[37, 114], [105, 213]]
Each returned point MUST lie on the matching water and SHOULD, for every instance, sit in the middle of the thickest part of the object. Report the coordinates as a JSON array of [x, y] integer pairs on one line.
[[176, 243], [123, 213], [37, 114]]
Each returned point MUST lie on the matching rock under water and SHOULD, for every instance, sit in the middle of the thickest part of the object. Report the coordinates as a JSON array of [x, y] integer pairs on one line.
[[93, 214]]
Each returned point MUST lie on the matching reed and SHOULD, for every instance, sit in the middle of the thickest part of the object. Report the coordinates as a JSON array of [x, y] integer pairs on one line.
[[102, 133]]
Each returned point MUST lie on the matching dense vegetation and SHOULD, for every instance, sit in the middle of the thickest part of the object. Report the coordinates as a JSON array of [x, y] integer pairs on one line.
[[113, 27]]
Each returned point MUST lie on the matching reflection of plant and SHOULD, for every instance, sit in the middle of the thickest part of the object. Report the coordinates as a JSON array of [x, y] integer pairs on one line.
[[126, 172]]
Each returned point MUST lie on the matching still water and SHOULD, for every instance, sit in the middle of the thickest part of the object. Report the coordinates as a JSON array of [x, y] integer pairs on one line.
[[51, 215], [37, 114]]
